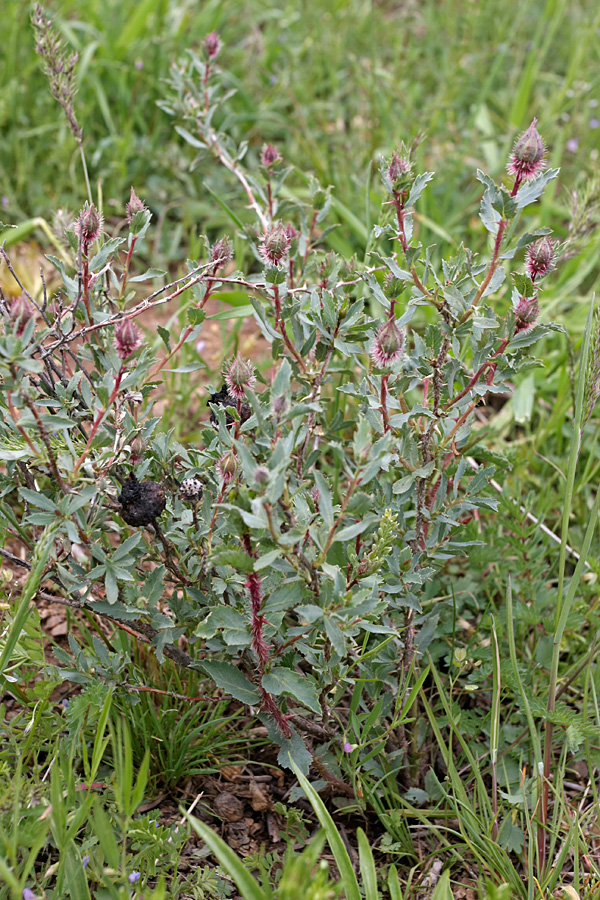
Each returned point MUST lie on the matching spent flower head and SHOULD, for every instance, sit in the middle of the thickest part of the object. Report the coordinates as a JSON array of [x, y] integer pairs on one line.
[[539, 259], [527, 157], [127, 338], [388, 344], [275, 245], [239, 374], [269, 156], [212, 44], [135, 205]]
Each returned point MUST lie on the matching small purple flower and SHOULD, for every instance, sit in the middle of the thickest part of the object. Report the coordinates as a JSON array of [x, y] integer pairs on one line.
[[28, 894], [572, 145], [139, 64], [269, 156], [4, 201], [85, 860], [212, 44], [348, 748], [594, 123], [135, 876], [65, 703]]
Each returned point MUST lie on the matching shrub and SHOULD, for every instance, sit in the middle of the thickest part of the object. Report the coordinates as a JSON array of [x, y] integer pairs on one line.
[[291, 545]]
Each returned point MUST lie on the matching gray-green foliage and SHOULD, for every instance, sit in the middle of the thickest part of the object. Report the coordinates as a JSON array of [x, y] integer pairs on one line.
[[331, 493]]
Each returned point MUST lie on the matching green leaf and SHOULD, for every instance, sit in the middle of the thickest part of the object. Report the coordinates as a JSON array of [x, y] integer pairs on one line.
[[325, 505], [165, 335], [233, 556], [102, 256], [195, 316], [281, 680], [367, 866], [334, 839], [247, 885], [442, 889], [230, 679]]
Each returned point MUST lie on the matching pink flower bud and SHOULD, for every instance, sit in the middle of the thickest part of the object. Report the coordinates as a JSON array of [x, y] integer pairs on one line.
[[275, 245], [134, 206], [222, 251], [269, 156], [399, 169], [21, 311], [540, 257], [127, 338], [388, 345], [89, 225], [239, 374], [526, 310], [227, 467], [527, 157], [212, 44]]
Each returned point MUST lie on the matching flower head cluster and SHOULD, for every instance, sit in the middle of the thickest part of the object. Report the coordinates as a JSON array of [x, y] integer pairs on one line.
[[239, 374], [526, 310], [127, 338], [527, 157], [212, 44], [21, 311], [539, 259], [269, 156], [227, 467], [134, 206], [399, 168], [388, 345], [275, 245]]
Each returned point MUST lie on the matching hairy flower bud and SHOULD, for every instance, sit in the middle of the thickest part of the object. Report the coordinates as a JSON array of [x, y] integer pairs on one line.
[[89, 225], [227, 467], [399, 169], [269, 156], [21, 311], [388, 344], [275, 245], [527, 157], [526, 310], [239, 374], [221, 252], [212, 43], [127, 338], [540, 258], [138, 449], [134, 206]]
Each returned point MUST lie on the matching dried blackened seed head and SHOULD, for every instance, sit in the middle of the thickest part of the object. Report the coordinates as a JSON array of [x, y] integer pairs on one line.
[[224, 398], [190, 489], [142, 501]]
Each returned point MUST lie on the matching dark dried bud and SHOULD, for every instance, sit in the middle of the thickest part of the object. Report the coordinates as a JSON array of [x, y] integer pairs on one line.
[[21, 311], [142, 502], [224, 398], [191, 489]]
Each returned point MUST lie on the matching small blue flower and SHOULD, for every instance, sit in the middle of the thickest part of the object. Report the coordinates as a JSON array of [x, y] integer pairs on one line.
[[135, 876], [85, 860]]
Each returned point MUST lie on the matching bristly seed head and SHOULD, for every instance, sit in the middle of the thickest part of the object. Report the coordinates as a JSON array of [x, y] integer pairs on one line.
[[269, 156], [134, 206], [89, 225], [127, 338], [388, 345], [539, 259], [227, 467], [239, 374], [275, 245], [21, 311], [527, 157], [191, 489], [212, 44], [526, 310]]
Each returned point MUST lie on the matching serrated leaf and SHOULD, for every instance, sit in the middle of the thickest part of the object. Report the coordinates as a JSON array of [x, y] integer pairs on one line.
[[103, 255], [533, 190], [233, 556], [165, 336], [281, 680], [417, 188]]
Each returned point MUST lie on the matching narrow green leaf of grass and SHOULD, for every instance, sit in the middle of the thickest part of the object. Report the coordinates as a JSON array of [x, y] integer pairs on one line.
[[336, 844], [367, 866], [248, 887]]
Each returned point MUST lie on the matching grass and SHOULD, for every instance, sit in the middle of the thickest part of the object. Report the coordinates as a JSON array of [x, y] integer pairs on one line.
[[334, 85]]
